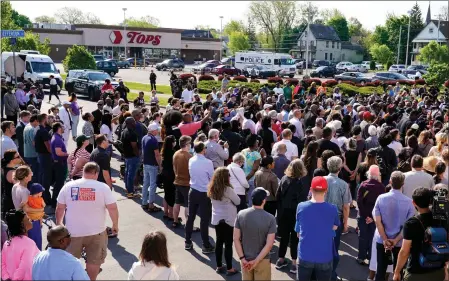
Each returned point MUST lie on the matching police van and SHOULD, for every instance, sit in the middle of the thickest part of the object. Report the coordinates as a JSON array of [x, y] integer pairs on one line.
[[282, 64]]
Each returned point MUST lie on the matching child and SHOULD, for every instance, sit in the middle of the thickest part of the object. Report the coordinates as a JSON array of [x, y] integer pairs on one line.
[[154, 98], [36, 202]]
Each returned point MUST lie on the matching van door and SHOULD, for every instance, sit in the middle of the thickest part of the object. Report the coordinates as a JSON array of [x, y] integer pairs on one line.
[[28, 71]]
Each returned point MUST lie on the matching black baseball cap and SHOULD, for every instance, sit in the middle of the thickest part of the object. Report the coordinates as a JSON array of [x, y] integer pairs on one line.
[[259, 194]]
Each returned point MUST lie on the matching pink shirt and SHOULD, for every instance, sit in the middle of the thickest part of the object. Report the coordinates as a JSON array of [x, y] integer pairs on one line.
[[189, 129], [17, 258]]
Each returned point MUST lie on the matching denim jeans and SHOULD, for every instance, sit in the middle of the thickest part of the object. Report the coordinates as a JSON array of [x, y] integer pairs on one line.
[[250, 191], [131, 166], [198, 201], [149, 184], [45, 173], [366, 234], [75, 120], [336, 260], [34, 165], [60, 169], [322, 271]]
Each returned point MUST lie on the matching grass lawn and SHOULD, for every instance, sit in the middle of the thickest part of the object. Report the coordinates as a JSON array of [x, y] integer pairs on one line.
[[163, 100], [164, 89]]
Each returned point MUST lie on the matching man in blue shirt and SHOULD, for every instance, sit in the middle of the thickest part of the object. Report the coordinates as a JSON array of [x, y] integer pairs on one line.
[[55, 263], [151, 166], [201, 170], [390, 212], [316, 222], [59, 155]]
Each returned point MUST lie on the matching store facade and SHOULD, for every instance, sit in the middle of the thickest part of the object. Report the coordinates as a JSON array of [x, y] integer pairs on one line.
[[155, 44]]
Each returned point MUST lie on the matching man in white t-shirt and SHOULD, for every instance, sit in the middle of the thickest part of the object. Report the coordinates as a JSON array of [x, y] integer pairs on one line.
[[417, 177], [187, 94], [292, 149], [84, 202]]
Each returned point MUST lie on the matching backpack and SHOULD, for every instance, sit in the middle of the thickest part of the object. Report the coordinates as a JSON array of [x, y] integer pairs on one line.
[[435, 249]]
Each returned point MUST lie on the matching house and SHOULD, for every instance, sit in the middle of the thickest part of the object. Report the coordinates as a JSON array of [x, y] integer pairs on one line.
[[324, 44], [430, 32]]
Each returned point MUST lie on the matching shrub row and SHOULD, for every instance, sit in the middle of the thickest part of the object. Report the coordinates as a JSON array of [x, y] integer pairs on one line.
[[446, 84]]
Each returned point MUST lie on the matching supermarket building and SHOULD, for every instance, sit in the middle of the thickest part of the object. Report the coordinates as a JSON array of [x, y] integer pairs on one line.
[[110, 41]]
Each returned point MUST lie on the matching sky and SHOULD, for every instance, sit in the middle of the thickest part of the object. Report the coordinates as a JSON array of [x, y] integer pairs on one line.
[[188, 14]]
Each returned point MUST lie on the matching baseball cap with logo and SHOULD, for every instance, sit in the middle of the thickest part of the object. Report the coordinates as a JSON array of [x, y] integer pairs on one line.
[[319, 184]]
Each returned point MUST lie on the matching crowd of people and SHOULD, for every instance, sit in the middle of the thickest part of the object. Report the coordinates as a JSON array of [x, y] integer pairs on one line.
[[287, 163]]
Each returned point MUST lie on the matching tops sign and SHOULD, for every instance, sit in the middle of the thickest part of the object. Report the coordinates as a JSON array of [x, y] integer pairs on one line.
[[135, 37]]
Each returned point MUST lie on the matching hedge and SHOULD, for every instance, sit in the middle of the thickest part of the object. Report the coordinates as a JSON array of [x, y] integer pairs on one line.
[[206, 78], [254, 81], [309, 82], [187, 76], [292, 81], [275, 80], [240, 78], [446, 84], [221, 77], [205, 87]]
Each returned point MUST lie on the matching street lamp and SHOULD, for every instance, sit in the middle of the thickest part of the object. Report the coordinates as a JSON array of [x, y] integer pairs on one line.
[[309, 19], [124, 27], [408, 37], [221, 37]]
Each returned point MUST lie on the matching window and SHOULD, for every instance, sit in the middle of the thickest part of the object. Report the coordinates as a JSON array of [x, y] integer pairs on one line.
[[430, 30], [325, 56], [106, 64], [330, 56], [100, 64], [28, 67], [327, 44], [333, 44]]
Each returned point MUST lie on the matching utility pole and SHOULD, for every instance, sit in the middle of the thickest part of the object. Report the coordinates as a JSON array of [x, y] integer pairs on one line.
[[221, 37], [408, 37], [399, 45], [124, 29], [309, 19]]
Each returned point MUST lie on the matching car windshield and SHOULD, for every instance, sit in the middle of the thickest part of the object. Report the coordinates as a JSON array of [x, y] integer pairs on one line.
[[166, 61], [320, 68], [41, 67], [99, 76]]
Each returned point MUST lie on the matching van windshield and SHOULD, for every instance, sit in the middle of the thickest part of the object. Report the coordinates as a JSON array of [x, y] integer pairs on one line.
[[41, 67], [287, 62]]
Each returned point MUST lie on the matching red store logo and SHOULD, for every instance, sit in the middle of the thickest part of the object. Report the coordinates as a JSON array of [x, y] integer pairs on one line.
[[135, 37]]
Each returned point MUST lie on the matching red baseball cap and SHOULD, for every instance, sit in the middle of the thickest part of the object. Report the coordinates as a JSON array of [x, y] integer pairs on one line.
[[367, 115], [319, 183]]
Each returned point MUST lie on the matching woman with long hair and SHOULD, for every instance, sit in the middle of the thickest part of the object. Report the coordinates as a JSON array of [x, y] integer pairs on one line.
[[10, 161], [266, 134], [311, 162], [75, 113], [425, 143], [224, 212], [370, 159], [324, 157], [78, 158], [19, 251], [441, 143], [290, 193], [406, 154], [153, 261], [168, 175], [88, 130]]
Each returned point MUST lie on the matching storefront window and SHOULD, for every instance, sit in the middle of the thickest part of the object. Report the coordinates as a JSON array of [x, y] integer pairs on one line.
[[91, 49], [174, 53]]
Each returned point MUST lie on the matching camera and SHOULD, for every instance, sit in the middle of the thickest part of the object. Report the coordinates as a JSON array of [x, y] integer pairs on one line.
[[440, 207]]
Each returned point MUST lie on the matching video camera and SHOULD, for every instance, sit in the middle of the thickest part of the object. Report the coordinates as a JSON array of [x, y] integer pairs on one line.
[[440, 208]]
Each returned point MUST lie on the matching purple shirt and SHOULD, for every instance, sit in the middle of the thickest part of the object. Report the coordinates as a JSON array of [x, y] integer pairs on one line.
[[367, 195], [57, 141], [75, 108], [21, 97]]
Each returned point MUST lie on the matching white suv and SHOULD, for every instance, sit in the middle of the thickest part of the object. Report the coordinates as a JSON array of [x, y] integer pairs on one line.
[[344, 65], [397, 68]]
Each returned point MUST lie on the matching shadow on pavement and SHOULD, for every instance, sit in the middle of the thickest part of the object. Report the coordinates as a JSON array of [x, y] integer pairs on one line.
[[124, 258]]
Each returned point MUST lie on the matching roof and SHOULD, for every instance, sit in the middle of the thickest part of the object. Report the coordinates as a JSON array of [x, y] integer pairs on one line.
[[350, 46], [324, 32], [444, 27]]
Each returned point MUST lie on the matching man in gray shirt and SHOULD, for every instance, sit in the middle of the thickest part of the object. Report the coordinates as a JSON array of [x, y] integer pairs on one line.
[[214, 151], [339, 195], [254, 233], [417, 177]]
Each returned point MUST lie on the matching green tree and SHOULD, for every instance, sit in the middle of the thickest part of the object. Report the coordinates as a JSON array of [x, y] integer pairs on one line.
[[340, 24], [380, 35], [437, 73], [45, 19], [146, 21], [416, 21], [290, 37], [355, 27], [238, 41], [6, 16], [19, 19], [327, 14], [31, 41], [382, 54], [251, 32], [274, 17], [78, 57], [232, 26], [434, 53]]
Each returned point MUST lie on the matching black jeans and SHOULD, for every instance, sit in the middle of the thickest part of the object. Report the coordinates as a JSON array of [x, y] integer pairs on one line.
[[60, 169], [153, 85], [286, 229], [366, 234], [199, 200], [53, 91], [382, 261], [45, 174], [243, 204], [270, 207], [224, 233]]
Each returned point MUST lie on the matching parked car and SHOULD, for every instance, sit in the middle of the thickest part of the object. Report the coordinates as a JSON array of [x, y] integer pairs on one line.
[[355, 77], [228, 61], [120, 63], [226, 69], [324, 71], [205, 67], [98, 57], [258, 71], [420, 68], [170, 63], [138, 62], [87, 82], [358, 68], [366, 64], [109, 67], [412, 74], [216, 62], [379, 66], [344, 65], [389, 76], [318, 63], [397, 68], [301, 64]]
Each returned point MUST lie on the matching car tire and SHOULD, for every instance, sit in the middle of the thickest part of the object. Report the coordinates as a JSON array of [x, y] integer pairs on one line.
[[91, 94], [112, 73], [320, 75]]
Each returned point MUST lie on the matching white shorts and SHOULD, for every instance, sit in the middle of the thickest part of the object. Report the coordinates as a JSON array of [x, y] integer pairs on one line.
[[373, 261]]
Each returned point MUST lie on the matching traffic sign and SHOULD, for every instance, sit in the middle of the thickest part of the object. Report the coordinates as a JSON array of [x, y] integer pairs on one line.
[[13, 33]]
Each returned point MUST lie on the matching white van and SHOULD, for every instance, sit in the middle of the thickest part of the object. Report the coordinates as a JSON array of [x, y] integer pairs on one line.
[[282, 64], [38, 68]]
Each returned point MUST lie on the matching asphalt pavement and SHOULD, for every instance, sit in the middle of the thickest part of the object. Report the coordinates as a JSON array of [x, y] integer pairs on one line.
[[134, 223]]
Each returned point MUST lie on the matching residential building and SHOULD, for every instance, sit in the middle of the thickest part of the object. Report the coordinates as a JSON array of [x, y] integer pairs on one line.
[[430, 32]]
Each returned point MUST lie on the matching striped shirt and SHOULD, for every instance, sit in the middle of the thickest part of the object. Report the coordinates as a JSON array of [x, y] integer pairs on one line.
[[80, 153]]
